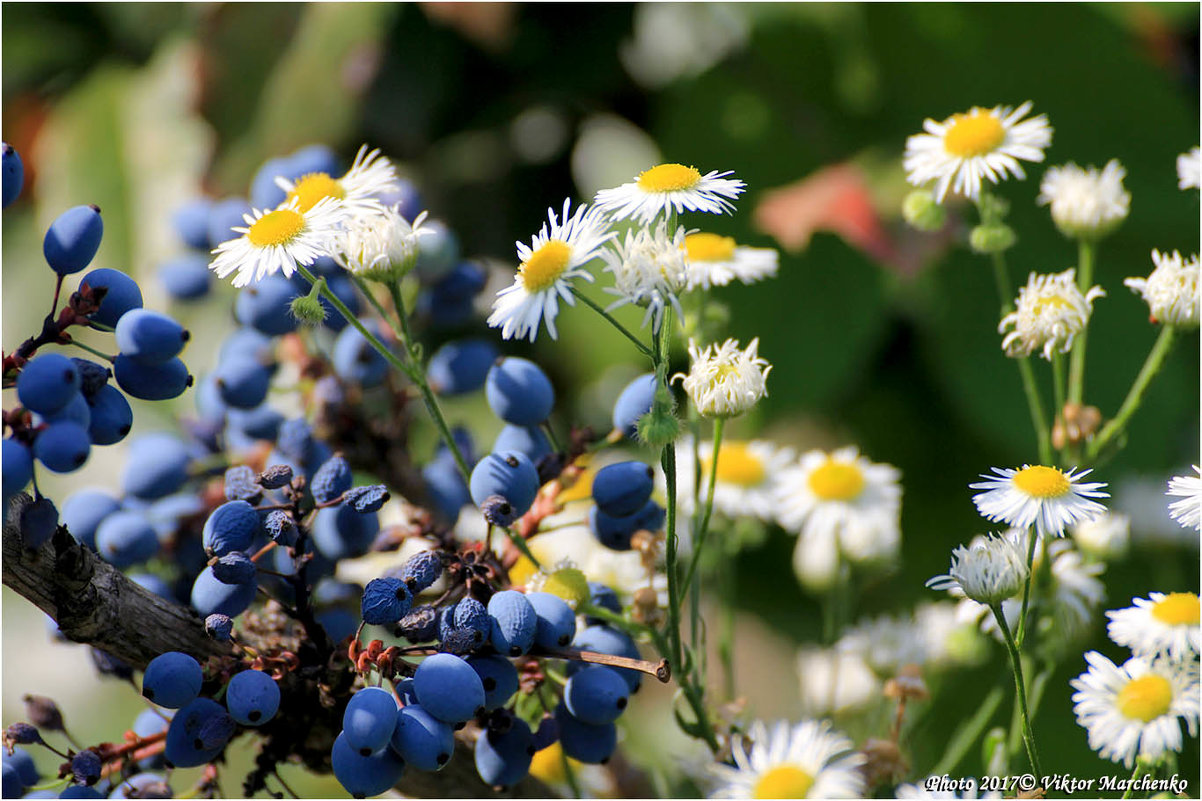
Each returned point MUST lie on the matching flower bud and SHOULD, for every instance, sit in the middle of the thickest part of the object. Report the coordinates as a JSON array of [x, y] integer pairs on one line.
[[922, 211]]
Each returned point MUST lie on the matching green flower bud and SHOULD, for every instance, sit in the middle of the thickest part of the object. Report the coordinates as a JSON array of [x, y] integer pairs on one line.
[[991, 238], [308, 310], [658, 428], [922, 211]]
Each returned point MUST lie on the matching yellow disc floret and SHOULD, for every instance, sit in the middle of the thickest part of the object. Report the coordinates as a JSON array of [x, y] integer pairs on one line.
[[1041, 482], [1146, 698], [737, 465], [545, 265], [1177, 609], [313, 187], [783, 781], [837, 481], [277, 227], [973, 134], [709, 247], [668, 178]]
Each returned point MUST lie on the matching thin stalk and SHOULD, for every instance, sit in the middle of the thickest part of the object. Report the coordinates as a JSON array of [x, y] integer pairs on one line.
[[1135, 774], [1086, 253], [1135, 396], [613, 321], [708, 509], [92, 350], [726, 634], [1032, 537], [1058, 385], [1020, 690]]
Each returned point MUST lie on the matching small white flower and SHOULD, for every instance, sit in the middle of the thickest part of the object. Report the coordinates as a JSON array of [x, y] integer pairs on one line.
[[370, 176], [716, 260], [1103, 537], [278, 240], [1171, 291], [1189, 169], [1085, 202], [1033, 495], [806, 760], [724, 381], [980, 144], [1049, 312], [650, 269], [1188, 510], [1159, 625], [747, 476], [380, 245], [1135, 709], [553, 258], [833, 681], [988, 571], [670, 186], [885, 643]]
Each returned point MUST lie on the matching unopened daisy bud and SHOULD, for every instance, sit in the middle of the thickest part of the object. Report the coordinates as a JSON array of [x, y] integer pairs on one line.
[[1050, 312], [989, 571], [308, 309], [991, 238], [1086, 203], [724, 381], [379, 244], [1171, 291], [922, 211]]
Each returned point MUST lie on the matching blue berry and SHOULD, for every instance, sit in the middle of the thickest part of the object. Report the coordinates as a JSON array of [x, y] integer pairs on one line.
[[12, 786], [528, 440], [23, 762], [276, 477], [86, 766], [151, 382], [47, 383], [191, 222], [242, 381], [240, 484], [355, 360], [338, 623], [606, 640], [449, 302], [585, 742], [84, 511], [38, 523], [157, 466], [596, 695], [266, 306], [149, 337], [248, 342], [471, 615], [72, 239], [172, 680], [556, 620], [264, 192], [234, 568], [296, 439], [17, 463], [499, 677], [217, 731], [280, 527], [93, 377], [310, 159], [185, 747], [76, 411], [420, 625], [503, 758], [210, 596], [615, 532], [508, 474], [622, 489], [152, 583], [448, 688], [366, 499], [219, 627], [111, 417], [14, 178], [369, 720], [519, 392], [62, 447], [231, 527], [342, 533], [362, 776], [461, 367], [126, 538], [252, 697], [331, 480], [224, 216], [385, 601], [514, 622], [186, 277], [634, 402], [421, 570], [148, 723], [81, 791], [141, 785], [445, 487], [122, 295], [438, 251], [422, 740]]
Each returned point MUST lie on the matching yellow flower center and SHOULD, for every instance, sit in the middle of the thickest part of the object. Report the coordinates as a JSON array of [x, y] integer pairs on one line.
[[837, 481], [1177, 609], [783, 781], [277, 227], [709, 247], [522, 571], [737, 465], [1146, 698], [1041, 482], [545, 265], [1053, 302], [313, 187], [973, 134], [668, 178], [569, 583]]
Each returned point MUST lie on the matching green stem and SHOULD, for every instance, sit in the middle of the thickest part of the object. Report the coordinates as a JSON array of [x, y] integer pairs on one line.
[[1152, 365], [1057, 385], [1032, 538], [1035, 408], [1086, 252], [1001, 278], [1038, 685], [613, 321], [726, 637], [969, 732], [1135, 774], [92, 350], [1020, 690], [708, 509]]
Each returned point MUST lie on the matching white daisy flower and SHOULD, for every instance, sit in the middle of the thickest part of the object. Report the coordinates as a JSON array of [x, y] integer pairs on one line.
[[1159, 625], [724, 381], [885, 643], [980, 144], [650, 269], [834, 681], [1188, 510], [844, 507], [278, 240], [670, 186], [807, 760], [1171, 291], [1103, 537], [1135, 709], [370, 176], [1189, 169], [380, 245], [1086, 203], [988, 571], [1034, 495], [747, 476], [1049, 312], [555, 256], [716, 260]]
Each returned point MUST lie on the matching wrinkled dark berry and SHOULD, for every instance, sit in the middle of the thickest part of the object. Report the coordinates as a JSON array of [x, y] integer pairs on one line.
[[276, 476]]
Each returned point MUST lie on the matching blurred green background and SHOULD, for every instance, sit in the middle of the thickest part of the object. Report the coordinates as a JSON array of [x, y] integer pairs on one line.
[[880, 337]]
